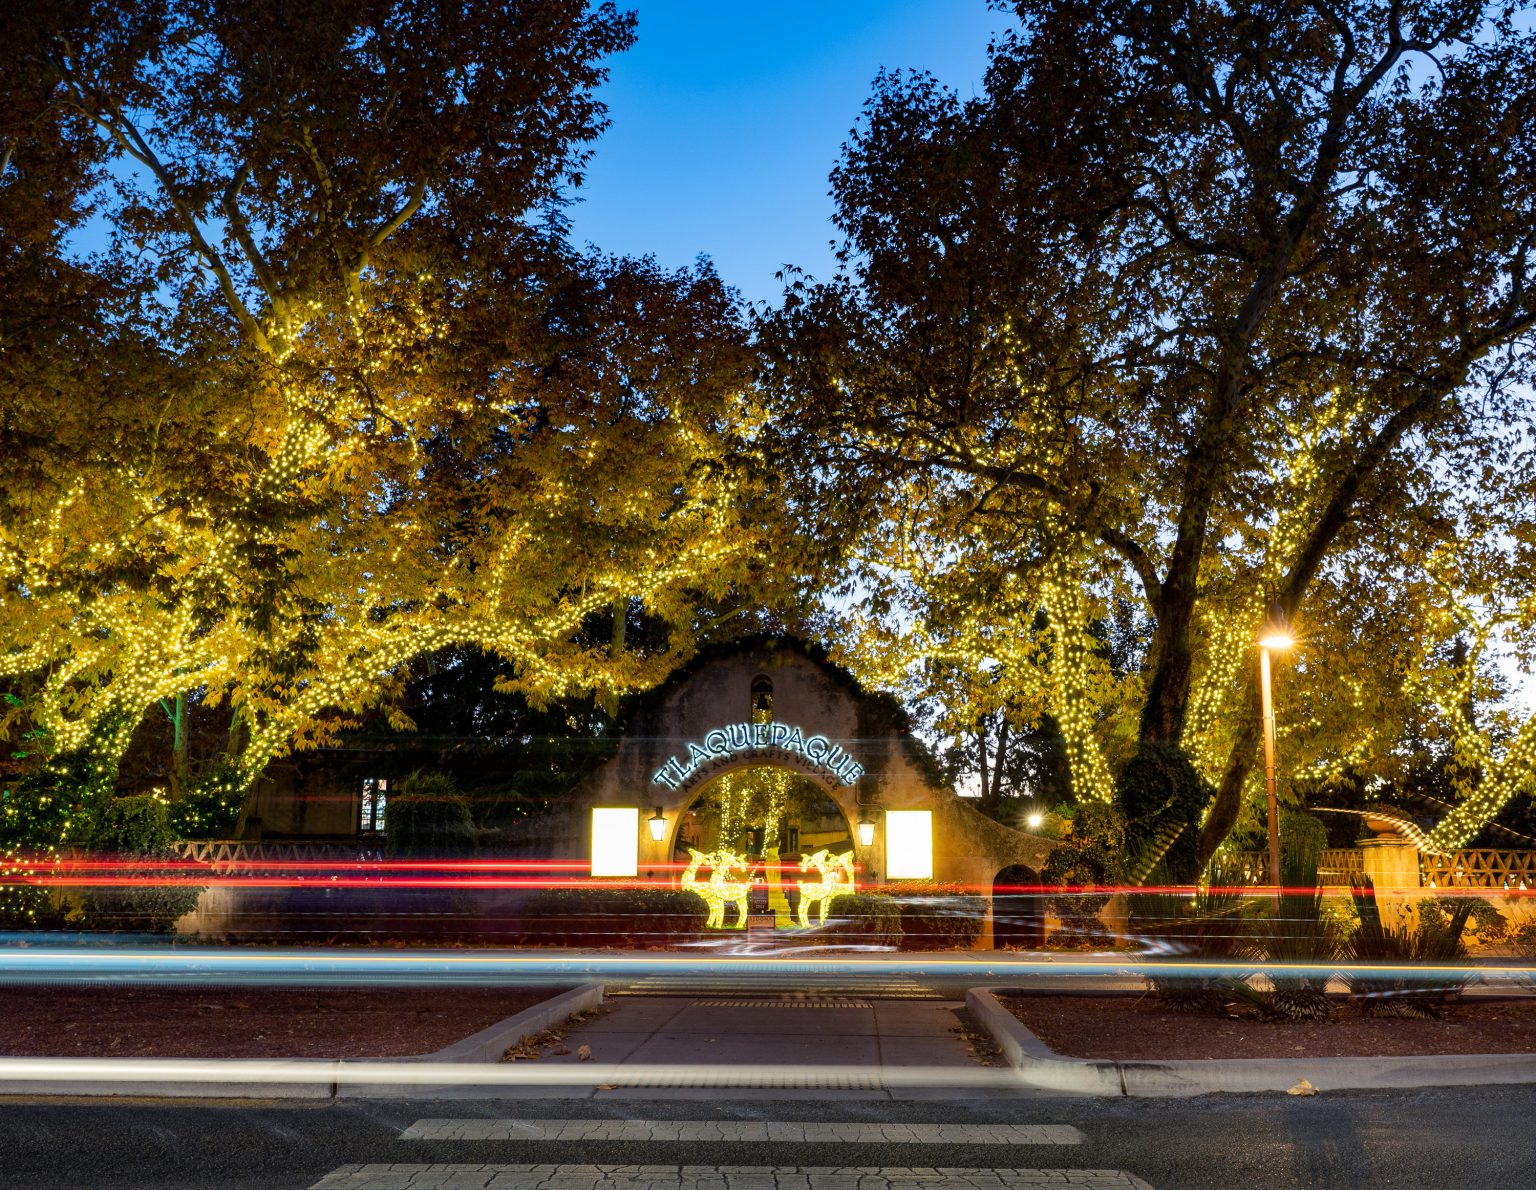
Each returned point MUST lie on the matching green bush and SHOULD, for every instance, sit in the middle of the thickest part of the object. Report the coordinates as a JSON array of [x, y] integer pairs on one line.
[[1160, 787], [26, 906], [934, 915], [636, 918], [1091, 857], [1298, 931], [1211, 926], [211, 807], [137, 829], [428, 817], [860, 919]]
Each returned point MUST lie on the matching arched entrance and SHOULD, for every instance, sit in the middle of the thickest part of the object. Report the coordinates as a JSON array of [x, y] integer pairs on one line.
[[771, 817], [1018, 911]]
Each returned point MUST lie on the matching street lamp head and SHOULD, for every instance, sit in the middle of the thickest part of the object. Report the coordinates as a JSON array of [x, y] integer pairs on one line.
[[1275, 635]]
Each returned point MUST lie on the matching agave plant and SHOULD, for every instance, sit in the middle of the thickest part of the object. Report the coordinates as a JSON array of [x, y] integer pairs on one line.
[[1298, 933], [1436, 938], [1213, 926]]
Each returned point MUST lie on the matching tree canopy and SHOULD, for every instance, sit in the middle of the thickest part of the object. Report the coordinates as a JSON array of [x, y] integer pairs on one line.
[[1211, 307], [334, 393], [1196, 315]]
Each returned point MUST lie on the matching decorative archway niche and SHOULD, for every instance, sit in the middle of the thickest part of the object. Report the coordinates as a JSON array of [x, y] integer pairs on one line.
[[779, 703], [770, 818], [702, 805]]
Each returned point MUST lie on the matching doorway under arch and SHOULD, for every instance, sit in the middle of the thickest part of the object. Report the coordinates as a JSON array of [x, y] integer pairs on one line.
[[1018, 909]]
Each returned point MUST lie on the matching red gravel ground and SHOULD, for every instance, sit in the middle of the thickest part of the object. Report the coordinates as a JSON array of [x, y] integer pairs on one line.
[[1137, 1029], [249, 1022]]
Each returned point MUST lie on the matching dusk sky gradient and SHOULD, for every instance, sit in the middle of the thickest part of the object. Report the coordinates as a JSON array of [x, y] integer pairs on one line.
[[727, 118]]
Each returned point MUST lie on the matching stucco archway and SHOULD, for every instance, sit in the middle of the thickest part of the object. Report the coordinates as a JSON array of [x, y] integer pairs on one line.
[[779, 702]]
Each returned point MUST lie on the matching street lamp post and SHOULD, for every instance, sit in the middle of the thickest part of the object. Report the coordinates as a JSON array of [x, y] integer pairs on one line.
[[1276, 639]]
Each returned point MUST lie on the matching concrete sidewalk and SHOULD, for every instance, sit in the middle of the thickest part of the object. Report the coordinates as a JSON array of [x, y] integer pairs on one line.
[[745, 1031], [794, 1046]]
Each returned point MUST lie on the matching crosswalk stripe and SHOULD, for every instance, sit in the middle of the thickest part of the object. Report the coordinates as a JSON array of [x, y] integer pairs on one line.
[[715, 1177], [744, 1131]]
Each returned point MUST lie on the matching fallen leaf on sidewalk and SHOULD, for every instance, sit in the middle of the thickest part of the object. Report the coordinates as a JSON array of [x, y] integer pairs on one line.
[[584, 1054], [1302, 1088]]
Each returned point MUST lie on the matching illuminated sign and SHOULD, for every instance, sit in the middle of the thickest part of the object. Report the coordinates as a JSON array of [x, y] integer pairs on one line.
[[909, 844], [615, 841], [725, 742]]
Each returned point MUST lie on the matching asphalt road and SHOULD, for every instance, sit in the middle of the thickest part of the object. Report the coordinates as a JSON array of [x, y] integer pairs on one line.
[[1441, 1140]]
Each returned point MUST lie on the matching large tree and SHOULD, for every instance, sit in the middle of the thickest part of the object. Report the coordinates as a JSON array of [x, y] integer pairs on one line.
[[1195, 303], [331, 392]]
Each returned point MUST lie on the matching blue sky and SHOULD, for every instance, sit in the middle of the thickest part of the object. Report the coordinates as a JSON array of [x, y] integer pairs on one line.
[[727, 118]]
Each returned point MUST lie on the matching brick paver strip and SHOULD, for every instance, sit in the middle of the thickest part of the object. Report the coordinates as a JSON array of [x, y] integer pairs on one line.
[[745, 1131], [713, 1177]]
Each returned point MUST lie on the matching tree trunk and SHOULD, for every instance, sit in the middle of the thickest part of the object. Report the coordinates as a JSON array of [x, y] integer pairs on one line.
[[176, 711], [179, 736], [1229, 794], [981, 750], [616, 650]]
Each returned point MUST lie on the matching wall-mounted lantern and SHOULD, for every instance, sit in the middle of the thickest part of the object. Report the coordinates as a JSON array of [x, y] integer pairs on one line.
[[658, 823]]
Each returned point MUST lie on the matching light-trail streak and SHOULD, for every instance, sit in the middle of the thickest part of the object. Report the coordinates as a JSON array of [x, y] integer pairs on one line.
[[172, 1075], [35, 963]]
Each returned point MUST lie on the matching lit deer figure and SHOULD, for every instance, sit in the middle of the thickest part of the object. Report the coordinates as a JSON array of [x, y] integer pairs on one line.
[[719, 890], [836, 879]]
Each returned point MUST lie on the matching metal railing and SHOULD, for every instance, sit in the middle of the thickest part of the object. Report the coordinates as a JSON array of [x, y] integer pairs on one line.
[[225, 855]]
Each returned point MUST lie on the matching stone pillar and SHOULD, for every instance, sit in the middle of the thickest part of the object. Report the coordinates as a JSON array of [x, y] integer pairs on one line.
[[1392, 866]]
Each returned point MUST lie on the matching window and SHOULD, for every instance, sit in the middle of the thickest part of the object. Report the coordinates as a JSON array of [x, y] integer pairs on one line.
[[762, 699], [375, 799]]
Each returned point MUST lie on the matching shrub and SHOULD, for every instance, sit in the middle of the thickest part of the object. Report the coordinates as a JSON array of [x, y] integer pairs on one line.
[[597, 916], [1091, 856], [1212, 926], [26, 906], [211, 807], [860, 919], [137, 828], [1298, 931], [934, 915], [428, 817], [1160, 788]]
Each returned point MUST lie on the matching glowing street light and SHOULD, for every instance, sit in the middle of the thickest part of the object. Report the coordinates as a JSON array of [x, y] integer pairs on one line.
[[1276, 639]]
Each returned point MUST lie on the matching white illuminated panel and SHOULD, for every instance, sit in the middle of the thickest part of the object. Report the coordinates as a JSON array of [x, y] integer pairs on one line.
[[615, 841], [909, 844]]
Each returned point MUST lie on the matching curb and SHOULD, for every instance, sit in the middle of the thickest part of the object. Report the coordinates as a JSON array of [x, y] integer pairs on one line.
[[292, 1078], [1043, 1068], [483, 1047], [490, 1043]]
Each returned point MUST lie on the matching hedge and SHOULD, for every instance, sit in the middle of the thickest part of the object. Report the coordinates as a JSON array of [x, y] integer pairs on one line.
[[137, 829], [637, 918], [935, 915], [860, 919]]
